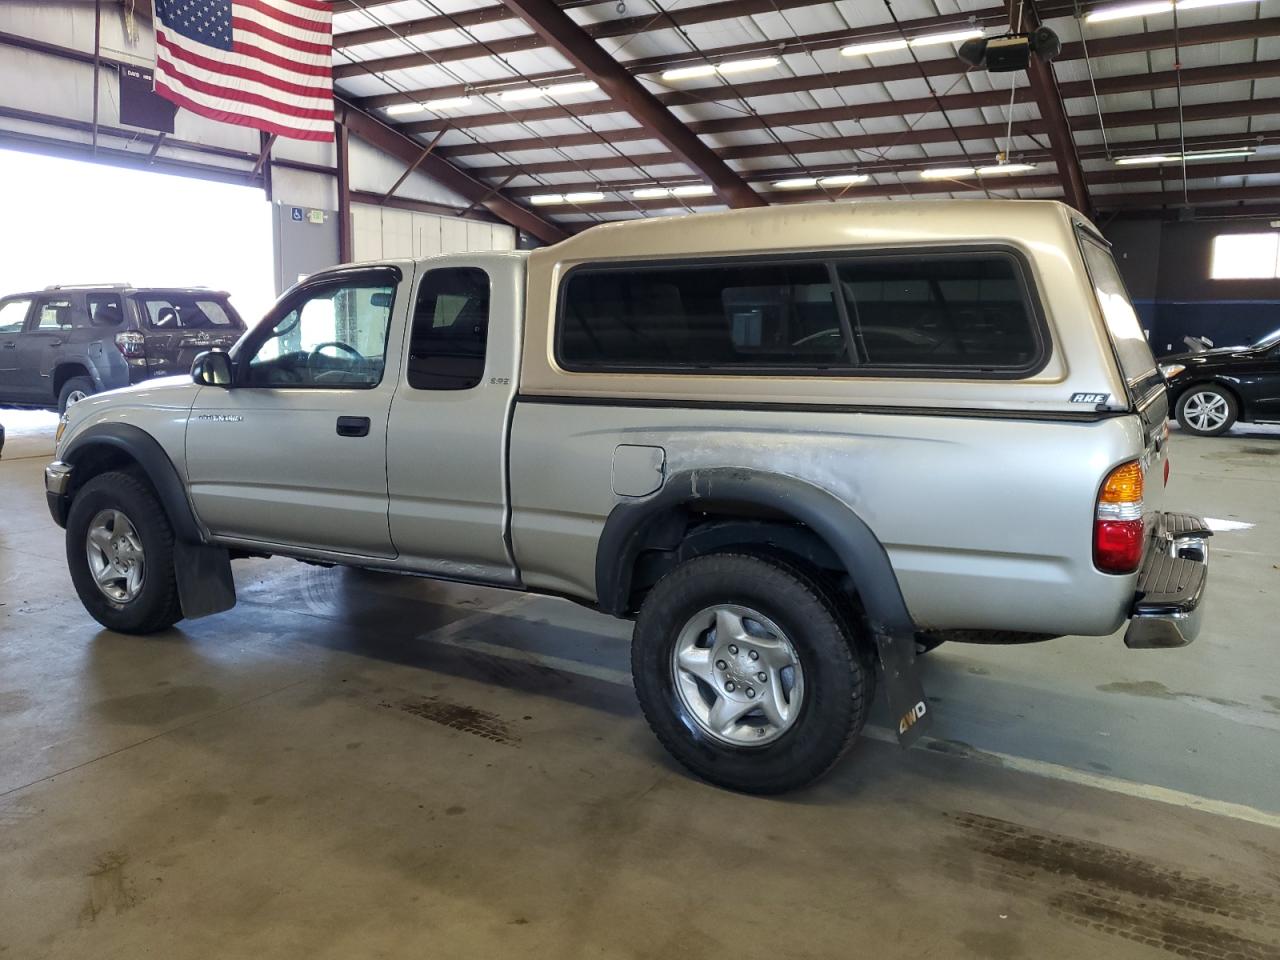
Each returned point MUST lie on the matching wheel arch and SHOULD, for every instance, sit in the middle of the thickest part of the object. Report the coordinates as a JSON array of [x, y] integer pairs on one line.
[[65, 370], [111, 446], [749, 506]]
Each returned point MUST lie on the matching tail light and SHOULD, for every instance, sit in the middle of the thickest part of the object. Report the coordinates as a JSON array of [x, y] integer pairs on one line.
[[131, 343], [1118, 530]]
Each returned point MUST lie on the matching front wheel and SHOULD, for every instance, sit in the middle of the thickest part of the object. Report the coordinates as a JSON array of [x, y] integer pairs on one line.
[[120, 553], [749, 673], [1207, 411]]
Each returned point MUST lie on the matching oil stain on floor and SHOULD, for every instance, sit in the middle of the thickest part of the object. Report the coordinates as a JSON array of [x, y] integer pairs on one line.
[[1114, 892], [458, 716]]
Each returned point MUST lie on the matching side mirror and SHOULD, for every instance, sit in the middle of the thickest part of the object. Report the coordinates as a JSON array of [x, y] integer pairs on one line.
[[212, 369]]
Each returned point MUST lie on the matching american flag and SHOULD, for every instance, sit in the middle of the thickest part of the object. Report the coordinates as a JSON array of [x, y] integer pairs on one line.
[[258, 63]]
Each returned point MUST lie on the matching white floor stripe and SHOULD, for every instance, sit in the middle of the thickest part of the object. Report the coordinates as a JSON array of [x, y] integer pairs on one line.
[[449, 636]]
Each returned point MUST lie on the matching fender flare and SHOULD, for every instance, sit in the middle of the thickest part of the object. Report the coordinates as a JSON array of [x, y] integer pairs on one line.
[[202, 570], [147, 452], [848, 535], [838, 524]]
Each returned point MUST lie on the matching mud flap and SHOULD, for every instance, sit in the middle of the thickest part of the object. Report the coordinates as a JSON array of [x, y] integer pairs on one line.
[[205, 585], [904, 691]]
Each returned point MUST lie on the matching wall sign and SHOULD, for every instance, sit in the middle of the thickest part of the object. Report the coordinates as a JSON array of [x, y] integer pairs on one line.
[[140, 105]]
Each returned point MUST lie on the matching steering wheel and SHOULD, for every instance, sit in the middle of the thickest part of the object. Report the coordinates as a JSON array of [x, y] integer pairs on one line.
[[315, 351]]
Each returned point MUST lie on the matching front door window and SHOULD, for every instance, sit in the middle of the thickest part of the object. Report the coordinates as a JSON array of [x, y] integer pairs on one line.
[[332, 336]]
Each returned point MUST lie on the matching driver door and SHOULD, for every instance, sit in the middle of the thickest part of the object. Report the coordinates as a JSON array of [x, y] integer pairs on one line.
[[294, 452]]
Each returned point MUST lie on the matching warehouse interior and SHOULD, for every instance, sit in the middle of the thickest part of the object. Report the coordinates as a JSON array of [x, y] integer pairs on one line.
[[358, 763]]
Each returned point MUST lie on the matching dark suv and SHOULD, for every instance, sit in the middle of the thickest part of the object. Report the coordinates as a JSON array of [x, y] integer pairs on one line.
[[67, 342]]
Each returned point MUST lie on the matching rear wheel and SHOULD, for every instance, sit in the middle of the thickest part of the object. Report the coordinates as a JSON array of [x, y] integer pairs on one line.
[[73, 391], [1207, 411], [747, 671], [120, 553]]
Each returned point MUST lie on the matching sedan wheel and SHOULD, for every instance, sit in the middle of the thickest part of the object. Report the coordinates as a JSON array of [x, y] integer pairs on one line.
[[1206, 411]]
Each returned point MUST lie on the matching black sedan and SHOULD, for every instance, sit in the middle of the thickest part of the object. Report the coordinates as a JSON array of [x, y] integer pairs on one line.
[[1212, 390]]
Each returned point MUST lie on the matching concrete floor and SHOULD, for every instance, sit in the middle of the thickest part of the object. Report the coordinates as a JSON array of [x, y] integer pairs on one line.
[[349, 765]]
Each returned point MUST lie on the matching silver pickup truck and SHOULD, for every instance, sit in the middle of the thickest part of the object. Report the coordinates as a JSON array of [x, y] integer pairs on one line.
[[797, 445]]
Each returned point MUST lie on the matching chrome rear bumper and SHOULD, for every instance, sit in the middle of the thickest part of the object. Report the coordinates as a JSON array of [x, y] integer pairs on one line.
[[1170, 599]]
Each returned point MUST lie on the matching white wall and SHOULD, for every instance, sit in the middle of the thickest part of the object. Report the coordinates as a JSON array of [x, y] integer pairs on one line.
[[387, 232]]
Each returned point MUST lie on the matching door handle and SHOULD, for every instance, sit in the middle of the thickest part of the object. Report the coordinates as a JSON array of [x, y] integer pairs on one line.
[[8, 346], [353, 426]]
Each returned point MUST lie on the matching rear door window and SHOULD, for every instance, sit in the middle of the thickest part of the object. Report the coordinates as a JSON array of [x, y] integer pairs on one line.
[[1137, 363], [53, 313]]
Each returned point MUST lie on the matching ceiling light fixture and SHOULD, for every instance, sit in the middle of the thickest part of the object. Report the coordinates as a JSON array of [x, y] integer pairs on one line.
[[728, 67], [693, 190], [400, 109], [448, 103], [946, 173], [543, 199], [1153, 8], [1156, 159], [795, 183], [843, 180], [555, 90], [927, 40], [651, 193], [587, 197], [998, 169]]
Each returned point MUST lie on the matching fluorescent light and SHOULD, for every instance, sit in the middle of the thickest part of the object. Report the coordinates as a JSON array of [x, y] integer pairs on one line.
[[448, 103], [742, 66], [796, 183], [1195, 4], [955, 36], [590, 197], [650, 193], [1156, 159], [997, 169], [555, 90], [874, 46], [574, 86], [522, 93], [693, 190], [843, 180], [400, 109], [728, 67], [1151, 9], [689, 73], [1129, 10], [542, 199], [946, 173]]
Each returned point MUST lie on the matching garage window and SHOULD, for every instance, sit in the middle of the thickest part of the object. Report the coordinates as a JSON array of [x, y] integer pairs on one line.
[[1246, 256]]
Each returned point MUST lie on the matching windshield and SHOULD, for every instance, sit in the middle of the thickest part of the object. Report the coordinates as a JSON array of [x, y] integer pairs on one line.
[[1270, 340], [1132, 350]]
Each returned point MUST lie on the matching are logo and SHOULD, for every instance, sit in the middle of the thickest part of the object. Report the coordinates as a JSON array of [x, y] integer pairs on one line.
[[1094, 398], [912, 717]]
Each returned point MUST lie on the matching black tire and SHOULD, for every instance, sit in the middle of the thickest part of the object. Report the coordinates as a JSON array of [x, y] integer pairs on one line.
[[74, 386], [839, 673], [1202, 390], [156, 607]]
